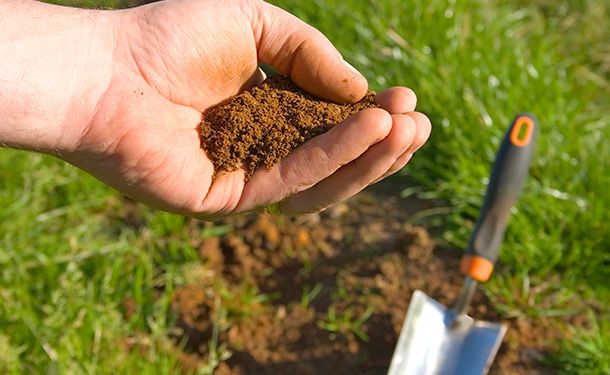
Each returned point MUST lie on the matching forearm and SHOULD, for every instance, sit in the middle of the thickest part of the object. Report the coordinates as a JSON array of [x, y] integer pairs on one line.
[[55, 64]]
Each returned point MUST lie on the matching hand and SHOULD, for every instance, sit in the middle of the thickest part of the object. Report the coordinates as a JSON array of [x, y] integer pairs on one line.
[[173, 60]]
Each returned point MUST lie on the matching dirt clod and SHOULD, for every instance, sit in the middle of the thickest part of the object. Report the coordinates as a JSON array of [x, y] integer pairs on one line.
[[263, 125]]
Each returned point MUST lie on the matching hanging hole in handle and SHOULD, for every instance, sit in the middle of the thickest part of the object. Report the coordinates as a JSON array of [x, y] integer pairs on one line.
[[521, 135]]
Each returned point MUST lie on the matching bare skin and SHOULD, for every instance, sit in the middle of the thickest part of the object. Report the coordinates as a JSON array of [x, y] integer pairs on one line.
[[120, 95]]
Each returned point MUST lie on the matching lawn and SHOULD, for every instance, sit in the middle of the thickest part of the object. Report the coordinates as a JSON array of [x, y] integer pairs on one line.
[[73, 251]]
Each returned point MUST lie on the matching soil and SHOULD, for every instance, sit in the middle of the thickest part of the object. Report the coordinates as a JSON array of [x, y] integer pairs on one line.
[[355, 255], [263, 125]]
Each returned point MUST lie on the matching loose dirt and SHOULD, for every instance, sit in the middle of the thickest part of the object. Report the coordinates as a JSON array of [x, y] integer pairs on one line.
[[357, 258], [263, 125]]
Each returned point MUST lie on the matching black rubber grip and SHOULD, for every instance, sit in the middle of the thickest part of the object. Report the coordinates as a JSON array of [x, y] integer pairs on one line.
[[508, 173]]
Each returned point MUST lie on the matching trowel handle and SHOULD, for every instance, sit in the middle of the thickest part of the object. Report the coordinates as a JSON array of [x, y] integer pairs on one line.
[[509, 171]]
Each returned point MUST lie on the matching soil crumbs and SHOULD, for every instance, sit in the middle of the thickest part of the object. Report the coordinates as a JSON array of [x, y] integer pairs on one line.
[[327, 293], [263, 125]]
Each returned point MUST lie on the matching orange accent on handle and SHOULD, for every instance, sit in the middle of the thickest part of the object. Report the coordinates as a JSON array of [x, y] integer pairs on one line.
[[514, 135], [476, 267]]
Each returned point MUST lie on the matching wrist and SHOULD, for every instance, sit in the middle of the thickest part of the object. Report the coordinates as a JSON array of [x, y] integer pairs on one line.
[[55, 64]]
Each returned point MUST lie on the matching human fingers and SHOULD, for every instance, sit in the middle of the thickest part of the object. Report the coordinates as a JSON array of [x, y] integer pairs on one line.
[[316, 159], [355, 176], [424, 127], [397, 99], [305, 55]]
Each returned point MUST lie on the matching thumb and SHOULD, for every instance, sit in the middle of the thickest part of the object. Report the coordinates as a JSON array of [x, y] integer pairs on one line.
[[304, 54]]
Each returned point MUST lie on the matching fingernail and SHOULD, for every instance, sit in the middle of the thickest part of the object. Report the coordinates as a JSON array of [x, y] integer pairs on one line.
[[350, 67]]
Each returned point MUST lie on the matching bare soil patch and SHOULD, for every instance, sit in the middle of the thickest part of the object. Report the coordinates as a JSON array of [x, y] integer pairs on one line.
[[361, 258]]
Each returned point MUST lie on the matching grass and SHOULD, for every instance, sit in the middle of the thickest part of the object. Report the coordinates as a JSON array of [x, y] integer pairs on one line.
[[587, 352], [346, 322], [69, 260]]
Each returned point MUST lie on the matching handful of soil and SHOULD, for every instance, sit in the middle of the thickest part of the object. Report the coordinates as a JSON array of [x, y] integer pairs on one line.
[[263, 125]]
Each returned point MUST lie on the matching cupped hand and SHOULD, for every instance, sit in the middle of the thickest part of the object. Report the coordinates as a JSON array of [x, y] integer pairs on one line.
[[174, 60]]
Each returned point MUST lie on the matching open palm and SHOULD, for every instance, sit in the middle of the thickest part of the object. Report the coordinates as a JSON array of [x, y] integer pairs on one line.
[[175, 60]]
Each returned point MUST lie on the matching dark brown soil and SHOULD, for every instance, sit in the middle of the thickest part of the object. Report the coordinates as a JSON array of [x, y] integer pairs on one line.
[[263, 125], [358, 255]]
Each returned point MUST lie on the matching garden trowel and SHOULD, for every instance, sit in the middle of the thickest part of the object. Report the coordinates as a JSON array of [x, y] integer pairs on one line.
[[439, 340]]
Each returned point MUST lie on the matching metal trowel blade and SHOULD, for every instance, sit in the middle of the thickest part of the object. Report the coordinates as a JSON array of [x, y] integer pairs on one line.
[[431, 343]]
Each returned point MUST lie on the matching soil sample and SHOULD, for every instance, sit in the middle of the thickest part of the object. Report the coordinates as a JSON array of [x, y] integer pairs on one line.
[[263, 125]]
